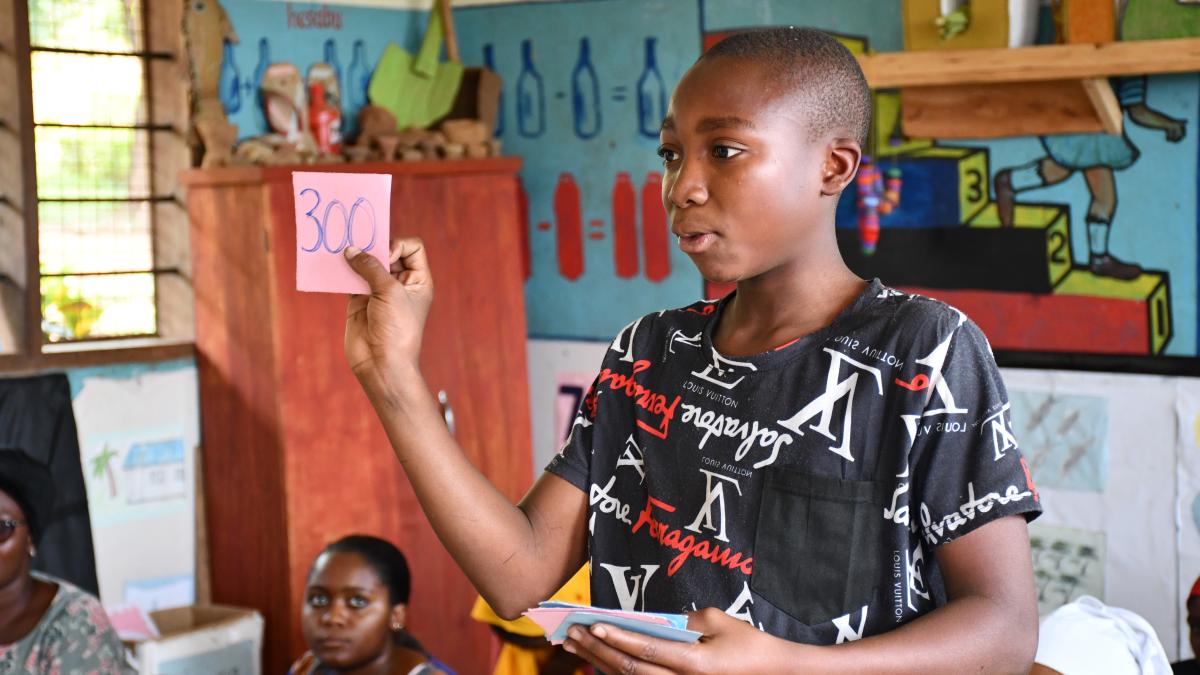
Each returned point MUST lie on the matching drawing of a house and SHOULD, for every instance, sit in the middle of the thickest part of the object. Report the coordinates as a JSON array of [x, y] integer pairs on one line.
[[154, 471]]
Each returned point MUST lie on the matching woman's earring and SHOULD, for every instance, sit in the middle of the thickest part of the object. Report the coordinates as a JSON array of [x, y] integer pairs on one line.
[[32, 550]]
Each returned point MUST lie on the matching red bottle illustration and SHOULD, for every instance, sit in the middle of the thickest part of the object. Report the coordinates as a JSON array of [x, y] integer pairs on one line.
[[325, 120], [624, 220], [569, 227], [523, 224], [656, 237]]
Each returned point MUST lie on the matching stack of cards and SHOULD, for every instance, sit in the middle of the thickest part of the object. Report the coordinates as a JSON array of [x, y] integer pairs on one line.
[[556, 617]]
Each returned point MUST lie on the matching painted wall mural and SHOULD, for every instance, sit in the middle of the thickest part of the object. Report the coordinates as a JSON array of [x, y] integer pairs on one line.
[[586, 86], [1084, 243], [349, 39], [139, 431]]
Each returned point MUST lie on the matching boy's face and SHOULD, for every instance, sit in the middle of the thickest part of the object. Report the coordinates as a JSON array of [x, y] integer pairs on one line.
[[747, 191]]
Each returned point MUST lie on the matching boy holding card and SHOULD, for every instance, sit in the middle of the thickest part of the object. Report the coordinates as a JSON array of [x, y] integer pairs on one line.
[[815, 460]]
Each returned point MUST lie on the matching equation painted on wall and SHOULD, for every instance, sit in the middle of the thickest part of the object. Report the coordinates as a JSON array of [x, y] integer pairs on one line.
[[333, 211]]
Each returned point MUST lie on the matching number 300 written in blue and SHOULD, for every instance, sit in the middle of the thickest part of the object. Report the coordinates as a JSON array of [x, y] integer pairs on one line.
[[322, 224]]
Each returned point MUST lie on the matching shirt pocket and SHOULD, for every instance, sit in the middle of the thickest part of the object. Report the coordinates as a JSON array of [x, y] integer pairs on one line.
[[818, 546]]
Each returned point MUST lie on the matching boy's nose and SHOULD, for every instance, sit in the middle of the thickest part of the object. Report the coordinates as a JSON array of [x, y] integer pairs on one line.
[[688, 188]]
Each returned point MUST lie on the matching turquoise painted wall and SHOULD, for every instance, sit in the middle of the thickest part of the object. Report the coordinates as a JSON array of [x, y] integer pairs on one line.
[[1154, 224], [352, 38]]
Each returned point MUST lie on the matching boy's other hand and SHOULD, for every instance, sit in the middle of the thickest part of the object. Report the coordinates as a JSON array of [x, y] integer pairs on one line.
[[729, 645], [383, 329]]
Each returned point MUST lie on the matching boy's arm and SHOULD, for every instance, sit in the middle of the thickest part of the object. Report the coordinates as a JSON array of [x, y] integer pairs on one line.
[[989, 624], [514, 555]]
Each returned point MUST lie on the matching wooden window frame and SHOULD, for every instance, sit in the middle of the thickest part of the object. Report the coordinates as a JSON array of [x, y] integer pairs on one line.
[[165, 78]]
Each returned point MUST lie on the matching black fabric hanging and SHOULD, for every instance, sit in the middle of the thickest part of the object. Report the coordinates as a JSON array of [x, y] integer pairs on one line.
[[36, 417]]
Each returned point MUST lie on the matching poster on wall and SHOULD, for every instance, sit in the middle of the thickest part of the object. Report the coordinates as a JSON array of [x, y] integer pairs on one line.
[[1081, 244], [1101, 449], [138, 435], [560, 374], [1067, 563]]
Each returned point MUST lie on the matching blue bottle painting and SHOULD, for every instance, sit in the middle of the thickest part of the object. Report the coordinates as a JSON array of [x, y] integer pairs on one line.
[[652, 94], [585, 94], [531, 96]]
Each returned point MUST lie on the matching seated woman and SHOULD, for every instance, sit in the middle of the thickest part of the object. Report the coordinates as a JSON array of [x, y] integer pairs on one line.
[[355, 605], [46, 625]]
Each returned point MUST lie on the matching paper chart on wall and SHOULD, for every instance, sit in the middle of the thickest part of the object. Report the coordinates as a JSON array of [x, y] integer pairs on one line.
[[1064, 437], [1104, 449], [571, 390], [1067, 563], [557, 370], [138, 436], [1187, 411]]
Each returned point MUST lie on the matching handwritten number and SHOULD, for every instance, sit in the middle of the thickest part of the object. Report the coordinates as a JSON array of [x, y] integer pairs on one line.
[[345, 222], [362, 201], [320, 228], [322, 224]]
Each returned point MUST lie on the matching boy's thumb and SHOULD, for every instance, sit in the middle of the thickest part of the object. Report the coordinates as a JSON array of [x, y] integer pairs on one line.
[[367, 267]]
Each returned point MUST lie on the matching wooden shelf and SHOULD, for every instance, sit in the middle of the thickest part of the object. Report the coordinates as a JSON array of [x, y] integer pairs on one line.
[[238, 175], [985, 93], [893, 70]]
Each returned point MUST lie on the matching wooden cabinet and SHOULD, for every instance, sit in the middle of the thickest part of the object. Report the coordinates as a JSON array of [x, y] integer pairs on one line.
[[294, 456]]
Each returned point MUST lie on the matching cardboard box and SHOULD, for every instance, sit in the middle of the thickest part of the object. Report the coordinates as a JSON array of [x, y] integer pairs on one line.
[[202, 639]]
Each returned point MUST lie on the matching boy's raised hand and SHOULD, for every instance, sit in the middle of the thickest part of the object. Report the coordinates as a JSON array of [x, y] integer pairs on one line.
[[383, 329]]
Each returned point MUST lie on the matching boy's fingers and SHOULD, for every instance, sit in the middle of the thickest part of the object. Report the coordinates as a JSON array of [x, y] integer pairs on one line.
[[633, 652], [411, 250], [408, 260], [605, 659], [370, 269]]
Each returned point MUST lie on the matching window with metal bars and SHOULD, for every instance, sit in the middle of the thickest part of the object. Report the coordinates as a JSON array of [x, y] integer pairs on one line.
[[94, 148]]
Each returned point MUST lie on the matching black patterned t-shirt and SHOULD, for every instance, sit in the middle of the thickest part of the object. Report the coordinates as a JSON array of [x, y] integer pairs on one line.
[[803, 490]]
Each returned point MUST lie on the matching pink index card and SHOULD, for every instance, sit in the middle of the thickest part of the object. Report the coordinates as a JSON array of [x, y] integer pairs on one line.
[[333, 211]]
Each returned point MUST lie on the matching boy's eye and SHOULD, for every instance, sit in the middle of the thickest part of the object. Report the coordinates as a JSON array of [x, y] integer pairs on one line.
[[668, 155], [318, 600], [358, 602], [725, 151]]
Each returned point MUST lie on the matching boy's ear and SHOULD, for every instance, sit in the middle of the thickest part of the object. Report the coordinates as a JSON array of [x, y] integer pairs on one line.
[[842, 156]]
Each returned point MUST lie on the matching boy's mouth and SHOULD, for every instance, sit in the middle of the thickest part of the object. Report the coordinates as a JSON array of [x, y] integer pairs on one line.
[[696, 242]]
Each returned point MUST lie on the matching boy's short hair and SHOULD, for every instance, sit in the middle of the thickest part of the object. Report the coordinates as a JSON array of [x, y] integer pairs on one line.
[[823, 75]]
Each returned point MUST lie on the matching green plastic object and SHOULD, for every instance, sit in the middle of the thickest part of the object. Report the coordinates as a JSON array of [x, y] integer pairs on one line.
[[418, 90], [1160, 20]]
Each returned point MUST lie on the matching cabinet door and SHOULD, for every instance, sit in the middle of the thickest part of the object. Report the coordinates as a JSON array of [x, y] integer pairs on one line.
[[473, 353]]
